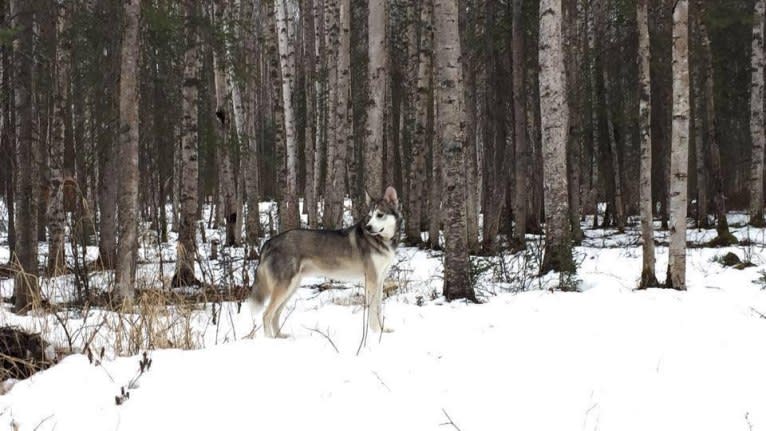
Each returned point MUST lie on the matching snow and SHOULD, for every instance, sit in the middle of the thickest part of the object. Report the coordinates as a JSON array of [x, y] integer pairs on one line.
[[528, 358]]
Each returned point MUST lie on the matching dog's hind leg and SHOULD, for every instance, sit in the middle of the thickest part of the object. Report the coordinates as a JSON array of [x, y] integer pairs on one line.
[[291, 288], [282, 293]]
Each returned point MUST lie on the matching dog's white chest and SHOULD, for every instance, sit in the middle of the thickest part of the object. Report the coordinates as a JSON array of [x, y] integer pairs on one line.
[[382, 262]]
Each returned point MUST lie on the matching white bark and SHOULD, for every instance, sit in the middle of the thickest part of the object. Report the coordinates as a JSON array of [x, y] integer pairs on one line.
[[554, 121], [378, 76], [287, 65], [648, 277], [451, 141], [679, 150]]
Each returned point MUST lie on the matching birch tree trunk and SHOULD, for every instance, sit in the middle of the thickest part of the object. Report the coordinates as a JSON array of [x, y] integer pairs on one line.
[[128, 196], [189, 153], [308, 10], [27, 195], [554, 121], [223, 98], [378, 75], [277, 108], [457, 282], [422, 103], [330, 215], [238, 109], [286, 45], [56, 212], [648, 277], [679, 151], [337, 171], [250, 146], [320, 87], [519, 127], [756, 116]]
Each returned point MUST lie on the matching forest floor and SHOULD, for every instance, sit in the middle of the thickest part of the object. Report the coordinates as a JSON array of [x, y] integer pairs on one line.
[[528, 358]]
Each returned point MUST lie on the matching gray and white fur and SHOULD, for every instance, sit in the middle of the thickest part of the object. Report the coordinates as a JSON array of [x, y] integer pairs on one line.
[[363, 252]]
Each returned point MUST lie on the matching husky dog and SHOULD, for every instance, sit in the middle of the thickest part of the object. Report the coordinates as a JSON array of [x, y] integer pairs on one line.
[[363, 252]]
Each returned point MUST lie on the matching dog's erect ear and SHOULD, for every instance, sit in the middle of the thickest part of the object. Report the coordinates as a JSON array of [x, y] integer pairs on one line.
[[391, 196]]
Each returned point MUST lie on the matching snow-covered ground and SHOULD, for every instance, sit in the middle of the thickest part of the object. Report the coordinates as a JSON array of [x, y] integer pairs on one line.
[[528, 358]]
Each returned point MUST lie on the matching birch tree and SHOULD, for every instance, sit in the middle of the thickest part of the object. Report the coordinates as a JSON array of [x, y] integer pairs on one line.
[[56, 212], [189, 153], [287, 67], [451, 141], [679, 150], [336, 158], [128, 196], [648, 277], [554, 120], [378, 76], [422, 102], [757, 133]]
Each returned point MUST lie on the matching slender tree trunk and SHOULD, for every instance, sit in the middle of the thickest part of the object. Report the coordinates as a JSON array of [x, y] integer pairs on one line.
[[27, 193], [679, 152], [594, 109], [619, 206], [189, 153], [9, 146], [320, 87], [277, 108], [286, 44], [574, 59], [519, 127], [128, 205], [435, 193], [108, 152], [308, 8], [56, 210], [648, 277], [457, 282], [411, 39], [757, 116], [471, 167], [337, 171], [422, 104], [378, 75], [554, 114], [713, 149], [698, 129]]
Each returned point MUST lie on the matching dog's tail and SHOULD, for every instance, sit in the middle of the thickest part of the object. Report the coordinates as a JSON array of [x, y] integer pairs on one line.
[[260, 290]]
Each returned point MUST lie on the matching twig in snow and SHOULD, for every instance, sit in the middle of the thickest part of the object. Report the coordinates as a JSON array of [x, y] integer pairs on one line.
[[747, 420], [46, 420], [327, 337], [761, 315], [451, 422], [381, 381]]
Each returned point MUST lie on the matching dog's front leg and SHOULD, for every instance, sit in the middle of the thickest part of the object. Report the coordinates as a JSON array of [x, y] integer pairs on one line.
[[374, 293]]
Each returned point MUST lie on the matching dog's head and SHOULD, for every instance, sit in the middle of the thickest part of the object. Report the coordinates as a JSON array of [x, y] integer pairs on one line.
[[383, 216]]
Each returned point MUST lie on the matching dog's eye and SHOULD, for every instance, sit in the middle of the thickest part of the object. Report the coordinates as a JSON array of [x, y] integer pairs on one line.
[[380, 215]]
